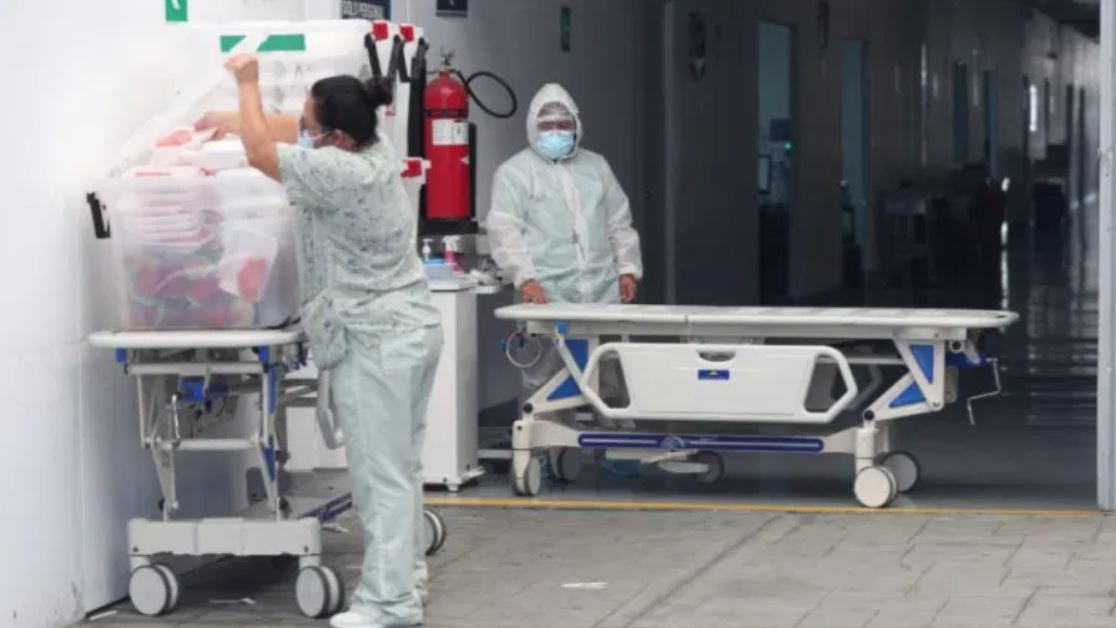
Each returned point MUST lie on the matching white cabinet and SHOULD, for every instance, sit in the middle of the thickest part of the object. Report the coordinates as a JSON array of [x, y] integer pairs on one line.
[[450, 454]]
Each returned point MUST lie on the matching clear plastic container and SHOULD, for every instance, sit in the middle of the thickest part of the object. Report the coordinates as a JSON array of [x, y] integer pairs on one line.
[[200, 251]]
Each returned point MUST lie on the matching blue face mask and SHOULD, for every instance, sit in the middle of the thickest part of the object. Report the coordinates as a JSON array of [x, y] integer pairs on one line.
[[556, 144], [305, 140]]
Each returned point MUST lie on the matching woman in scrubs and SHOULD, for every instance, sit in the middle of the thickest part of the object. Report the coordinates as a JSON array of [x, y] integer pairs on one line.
[[366, 310]]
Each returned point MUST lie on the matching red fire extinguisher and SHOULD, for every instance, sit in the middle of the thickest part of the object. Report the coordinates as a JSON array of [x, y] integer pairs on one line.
[[449, 144], [446, 120]]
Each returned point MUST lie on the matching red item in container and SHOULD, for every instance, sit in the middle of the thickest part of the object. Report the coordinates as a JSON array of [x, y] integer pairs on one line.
[[145, 283], [214, 317], [203, 290], [250, 279], [176, 138], [174, 286]]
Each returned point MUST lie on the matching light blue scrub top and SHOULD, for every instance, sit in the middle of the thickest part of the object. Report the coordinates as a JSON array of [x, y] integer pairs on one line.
[[359, 269]]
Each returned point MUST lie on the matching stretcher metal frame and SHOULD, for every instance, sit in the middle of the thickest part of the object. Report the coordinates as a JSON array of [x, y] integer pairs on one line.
[[180, 376], [763, 366]]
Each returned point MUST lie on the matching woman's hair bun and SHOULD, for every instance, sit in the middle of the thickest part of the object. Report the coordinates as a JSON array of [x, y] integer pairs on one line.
[[379, 91]]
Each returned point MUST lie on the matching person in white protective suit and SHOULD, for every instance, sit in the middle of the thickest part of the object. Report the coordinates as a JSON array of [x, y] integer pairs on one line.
[[560, 225], [366, 310]]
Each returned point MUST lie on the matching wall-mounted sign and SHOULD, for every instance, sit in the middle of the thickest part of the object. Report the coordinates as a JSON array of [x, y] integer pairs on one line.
[[366, 9], [452, 8], [697, 45], [823, 24], [565, 27]]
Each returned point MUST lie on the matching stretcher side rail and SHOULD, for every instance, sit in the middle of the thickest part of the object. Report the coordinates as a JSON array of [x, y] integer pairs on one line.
[[717, 382]]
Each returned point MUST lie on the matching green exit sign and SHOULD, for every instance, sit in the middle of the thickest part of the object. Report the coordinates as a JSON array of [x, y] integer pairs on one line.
[[176, 10]]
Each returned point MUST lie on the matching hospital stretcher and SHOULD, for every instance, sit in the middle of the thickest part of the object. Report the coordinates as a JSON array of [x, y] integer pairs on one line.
[[761, 369], [189, 383]]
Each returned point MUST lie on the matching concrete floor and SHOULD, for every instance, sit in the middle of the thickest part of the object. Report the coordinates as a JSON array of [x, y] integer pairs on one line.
[[570, 569]]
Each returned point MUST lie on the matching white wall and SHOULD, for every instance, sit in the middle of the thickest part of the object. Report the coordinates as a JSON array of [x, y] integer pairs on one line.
[[519, 41], [70, 463], [79, 79]]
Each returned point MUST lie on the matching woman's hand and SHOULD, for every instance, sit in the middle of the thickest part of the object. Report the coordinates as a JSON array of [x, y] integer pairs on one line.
[[245, 67], [532, 292], [627, 288], [224, 122]]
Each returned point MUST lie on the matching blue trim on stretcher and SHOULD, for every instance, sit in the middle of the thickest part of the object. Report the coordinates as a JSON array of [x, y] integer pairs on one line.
[[269, 457], [960, 360], [668, 442], [924, 357], [264, 353], [121, 356], [579, 349], [714, 375], [193, 389], [272, 388]]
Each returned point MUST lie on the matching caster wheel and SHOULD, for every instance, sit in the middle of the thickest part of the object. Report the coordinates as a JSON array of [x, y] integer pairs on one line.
[[336, 591], [715, 467], [530, 485], [174, 585], [565, 465], [875, 487], [318, 591], [435, 528], [904, 467], [284, 505], [151, 590]]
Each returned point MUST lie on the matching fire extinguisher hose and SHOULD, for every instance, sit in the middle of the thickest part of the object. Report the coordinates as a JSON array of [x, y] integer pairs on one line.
[[486, 74]]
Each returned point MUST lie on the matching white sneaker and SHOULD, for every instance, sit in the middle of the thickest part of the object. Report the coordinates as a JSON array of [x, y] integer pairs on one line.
[[355, 619], [352, 619]]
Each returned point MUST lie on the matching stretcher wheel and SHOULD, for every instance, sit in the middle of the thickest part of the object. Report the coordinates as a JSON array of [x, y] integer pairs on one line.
[[904, 467], [336, 591], [174, 585], [715, 466], [565, 464], [435, 528], [318, 591], [875, 487], [530, 485], [153, 590]]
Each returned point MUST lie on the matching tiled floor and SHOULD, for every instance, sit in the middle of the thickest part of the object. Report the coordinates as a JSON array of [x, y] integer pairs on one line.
[[570, 569]]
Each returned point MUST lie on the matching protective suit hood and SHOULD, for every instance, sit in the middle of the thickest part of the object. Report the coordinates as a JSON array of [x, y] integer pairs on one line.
[[552, 93]]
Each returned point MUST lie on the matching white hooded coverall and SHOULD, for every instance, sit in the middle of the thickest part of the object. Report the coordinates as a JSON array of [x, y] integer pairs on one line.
[[566, 224]]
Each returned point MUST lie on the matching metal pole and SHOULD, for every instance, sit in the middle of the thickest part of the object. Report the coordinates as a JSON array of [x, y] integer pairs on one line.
[[671, 168], [1106, 376]]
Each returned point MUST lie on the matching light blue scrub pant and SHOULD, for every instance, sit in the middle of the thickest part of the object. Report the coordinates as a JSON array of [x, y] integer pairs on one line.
[[380, 390]]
